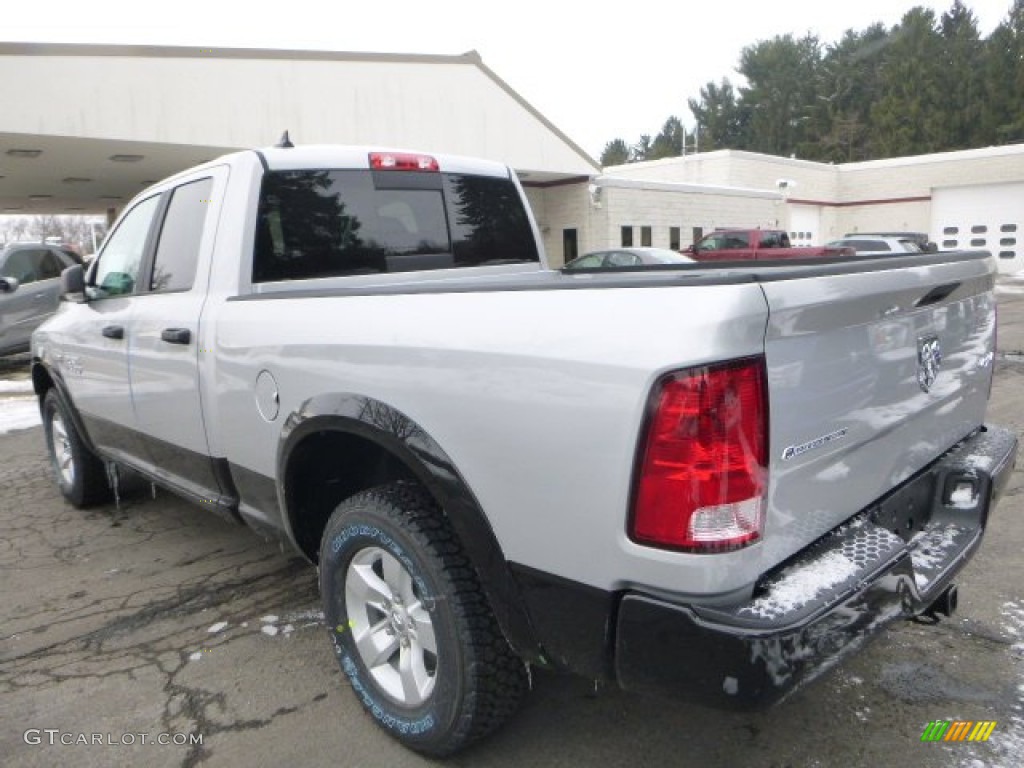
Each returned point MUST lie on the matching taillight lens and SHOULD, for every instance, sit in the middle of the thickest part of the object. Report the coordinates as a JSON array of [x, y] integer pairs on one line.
[[703, 476], [402, 161]]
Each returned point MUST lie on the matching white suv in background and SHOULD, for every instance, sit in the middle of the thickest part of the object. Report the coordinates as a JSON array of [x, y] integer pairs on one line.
[[878, 245]]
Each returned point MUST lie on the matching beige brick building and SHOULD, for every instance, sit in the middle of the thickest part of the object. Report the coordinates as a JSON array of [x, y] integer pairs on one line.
[[972, 199]]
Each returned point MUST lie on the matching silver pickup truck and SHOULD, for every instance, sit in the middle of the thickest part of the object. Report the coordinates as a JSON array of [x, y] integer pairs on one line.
[[707, 481]]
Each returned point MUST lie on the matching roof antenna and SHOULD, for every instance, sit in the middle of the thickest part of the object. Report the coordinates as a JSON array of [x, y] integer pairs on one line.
[[285, 141]]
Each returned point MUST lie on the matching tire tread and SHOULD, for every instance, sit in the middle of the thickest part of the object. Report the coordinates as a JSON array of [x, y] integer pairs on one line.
[[497, 677]]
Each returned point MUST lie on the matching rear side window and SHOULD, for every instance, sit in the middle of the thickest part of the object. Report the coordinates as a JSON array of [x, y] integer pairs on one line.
[[50, 266], [174, 268], [334, 223]]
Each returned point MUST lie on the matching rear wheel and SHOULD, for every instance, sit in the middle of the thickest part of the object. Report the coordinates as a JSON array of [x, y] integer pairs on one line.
[[410, 624], [80, 475]]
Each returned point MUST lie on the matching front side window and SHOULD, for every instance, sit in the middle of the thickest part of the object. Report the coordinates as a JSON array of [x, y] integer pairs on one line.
[[333, 223], [590, 261], [118, 265], [174, 268], [24, 266]]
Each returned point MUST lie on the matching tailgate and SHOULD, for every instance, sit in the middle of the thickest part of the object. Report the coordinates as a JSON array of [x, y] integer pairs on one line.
[[872, 375]]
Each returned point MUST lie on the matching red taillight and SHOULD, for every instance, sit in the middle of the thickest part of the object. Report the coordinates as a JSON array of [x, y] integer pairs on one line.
[[703, 473], [401, 161]]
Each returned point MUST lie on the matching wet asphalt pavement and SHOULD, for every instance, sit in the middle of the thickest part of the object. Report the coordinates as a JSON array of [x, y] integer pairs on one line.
[[157, 621]]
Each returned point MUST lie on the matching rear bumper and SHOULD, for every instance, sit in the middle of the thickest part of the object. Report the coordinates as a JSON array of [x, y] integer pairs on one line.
[[862, 575]]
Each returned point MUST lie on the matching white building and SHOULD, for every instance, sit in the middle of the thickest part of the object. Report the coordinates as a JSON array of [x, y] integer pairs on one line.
[[972, 199], [83, 128]]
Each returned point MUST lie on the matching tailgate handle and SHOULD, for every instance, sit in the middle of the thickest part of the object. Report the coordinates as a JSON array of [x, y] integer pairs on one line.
[[176, 335], [937, 294], [113, 331]]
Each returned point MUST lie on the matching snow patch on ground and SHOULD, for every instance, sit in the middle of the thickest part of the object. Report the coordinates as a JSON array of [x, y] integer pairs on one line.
[[220, 626], [16, 386], [800, 585], [273, 625], [308, 615], [18, 413], [1009, 288], [1006, 745]]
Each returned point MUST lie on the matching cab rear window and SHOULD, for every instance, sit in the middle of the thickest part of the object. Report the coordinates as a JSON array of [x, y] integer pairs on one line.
[[329, 223]]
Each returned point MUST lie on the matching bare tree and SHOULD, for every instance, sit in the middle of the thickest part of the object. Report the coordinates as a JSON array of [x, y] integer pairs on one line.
[[73, 230]]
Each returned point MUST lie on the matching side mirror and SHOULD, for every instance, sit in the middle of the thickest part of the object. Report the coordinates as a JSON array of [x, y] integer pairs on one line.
[[72, 283], [8, 284], [692, 248]]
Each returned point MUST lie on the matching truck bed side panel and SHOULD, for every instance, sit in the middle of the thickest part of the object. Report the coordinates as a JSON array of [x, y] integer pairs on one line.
[[537, 396]]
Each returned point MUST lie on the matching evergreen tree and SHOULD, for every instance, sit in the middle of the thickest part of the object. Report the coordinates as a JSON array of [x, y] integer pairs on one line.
[[926, 85], [616, 152], [783, 88], [902, 120], [959, 79], [642, 149], [669, 143], [1002, 107], [720, 122], [849, 86]]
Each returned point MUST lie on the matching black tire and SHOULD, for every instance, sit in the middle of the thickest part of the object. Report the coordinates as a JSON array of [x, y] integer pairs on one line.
[[477, 680], [81, 476]]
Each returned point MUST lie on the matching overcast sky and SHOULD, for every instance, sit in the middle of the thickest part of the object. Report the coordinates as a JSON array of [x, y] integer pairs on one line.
[[597, 70]]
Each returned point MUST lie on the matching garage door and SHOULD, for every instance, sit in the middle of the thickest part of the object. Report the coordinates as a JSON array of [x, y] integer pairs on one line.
[[989, 218], [804, 224]]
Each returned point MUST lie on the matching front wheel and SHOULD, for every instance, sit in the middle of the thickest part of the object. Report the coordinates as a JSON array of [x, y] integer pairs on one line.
[[410, 624], [80, 475]]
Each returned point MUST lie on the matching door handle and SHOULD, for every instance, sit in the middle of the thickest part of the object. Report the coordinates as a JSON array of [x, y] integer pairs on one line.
[[176, 335], [113, 331]]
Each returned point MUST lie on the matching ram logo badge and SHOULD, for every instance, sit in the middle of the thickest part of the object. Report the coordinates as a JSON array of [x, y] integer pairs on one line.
[[929, 358]]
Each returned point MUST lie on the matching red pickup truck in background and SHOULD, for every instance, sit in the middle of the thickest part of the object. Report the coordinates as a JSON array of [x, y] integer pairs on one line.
[[756, 244]]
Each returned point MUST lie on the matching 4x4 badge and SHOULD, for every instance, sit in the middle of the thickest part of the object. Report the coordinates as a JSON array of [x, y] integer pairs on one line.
[[929, 358]]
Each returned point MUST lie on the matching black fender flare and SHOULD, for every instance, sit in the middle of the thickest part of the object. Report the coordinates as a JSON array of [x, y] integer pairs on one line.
[[407, 441]]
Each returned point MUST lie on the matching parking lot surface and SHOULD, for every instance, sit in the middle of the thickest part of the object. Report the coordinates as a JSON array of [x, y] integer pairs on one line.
[[123, 627]]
